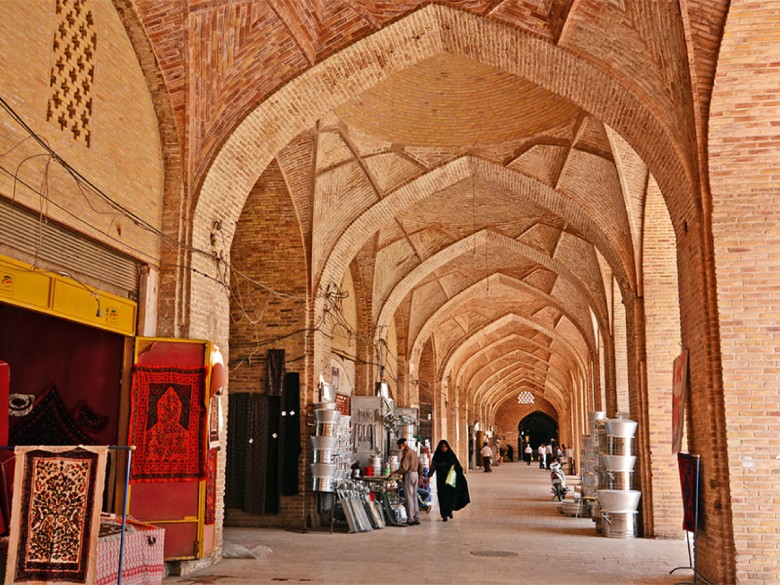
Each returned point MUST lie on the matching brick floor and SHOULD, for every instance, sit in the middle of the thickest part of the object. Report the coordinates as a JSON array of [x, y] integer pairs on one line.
[[511, 512]]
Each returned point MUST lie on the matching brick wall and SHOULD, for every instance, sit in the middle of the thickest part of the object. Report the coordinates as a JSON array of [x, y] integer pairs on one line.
[[744, 149], [122, 156], [268, 249]]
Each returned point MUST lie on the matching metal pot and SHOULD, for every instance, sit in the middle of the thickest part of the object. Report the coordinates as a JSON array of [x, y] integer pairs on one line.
[[620, 480], [621, 427], [323, 455], [619, 500], [326, 415], [620, 445], [325, 429], [619, 524], [619, 462], [323, 469]]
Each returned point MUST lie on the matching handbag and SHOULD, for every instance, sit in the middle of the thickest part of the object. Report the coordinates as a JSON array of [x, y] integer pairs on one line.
[[451, 477]]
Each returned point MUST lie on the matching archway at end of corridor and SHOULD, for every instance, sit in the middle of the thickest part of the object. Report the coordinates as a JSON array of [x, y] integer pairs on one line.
[[536, 428]]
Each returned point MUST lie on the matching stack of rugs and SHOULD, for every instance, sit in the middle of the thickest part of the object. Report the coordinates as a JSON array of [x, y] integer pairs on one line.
[[142, 563]]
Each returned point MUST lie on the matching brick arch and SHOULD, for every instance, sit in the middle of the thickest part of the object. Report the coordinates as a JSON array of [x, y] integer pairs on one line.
[[427, 32], [463, 246], [498, 396], [478, 379], [453, 357], [449, 174], [486, 392], [450, 360], [496, 383], [365, 226], [478, 289], [467, 363], [557, 405], [468, 372]]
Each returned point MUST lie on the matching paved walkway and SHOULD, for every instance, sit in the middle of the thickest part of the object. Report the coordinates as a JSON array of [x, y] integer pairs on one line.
[[511, 517]]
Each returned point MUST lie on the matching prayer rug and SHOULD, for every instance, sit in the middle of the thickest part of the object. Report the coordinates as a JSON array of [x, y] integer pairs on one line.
[[168, 424], [58, 493]]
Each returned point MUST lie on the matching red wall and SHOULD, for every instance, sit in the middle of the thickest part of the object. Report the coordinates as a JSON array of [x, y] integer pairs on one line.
[[83, 363]]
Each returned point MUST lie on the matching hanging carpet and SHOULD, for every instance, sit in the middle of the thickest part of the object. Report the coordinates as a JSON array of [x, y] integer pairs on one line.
[[167, 424], [56, 509], [48, 423], [210, 512]]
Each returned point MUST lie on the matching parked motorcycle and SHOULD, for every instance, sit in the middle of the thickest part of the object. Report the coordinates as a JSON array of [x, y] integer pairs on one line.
[[558, 479]]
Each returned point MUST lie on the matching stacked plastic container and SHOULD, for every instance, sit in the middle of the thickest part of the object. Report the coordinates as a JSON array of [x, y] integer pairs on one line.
[[617, 500]]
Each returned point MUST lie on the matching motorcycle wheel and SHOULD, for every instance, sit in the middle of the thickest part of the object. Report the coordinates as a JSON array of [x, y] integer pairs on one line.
[[559, 493]]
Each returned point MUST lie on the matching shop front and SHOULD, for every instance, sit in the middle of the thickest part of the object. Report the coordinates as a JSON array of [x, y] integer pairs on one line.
[[74, 374]]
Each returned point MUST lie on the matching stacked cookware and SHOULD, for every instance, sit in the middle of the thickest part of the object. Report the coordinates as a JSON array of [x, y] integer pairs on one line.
[[589, 464], [325, 446], [617, 500]]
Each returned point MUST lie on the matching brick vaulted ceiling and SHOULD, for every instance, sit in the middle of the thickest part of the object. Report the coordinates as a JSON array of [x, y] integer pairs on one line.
[[497, 212]]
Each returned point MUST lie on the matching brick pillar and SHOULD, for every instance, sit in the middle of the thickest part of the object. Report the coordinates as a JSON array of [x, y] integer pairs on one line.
[[621, 352], [663, 344]]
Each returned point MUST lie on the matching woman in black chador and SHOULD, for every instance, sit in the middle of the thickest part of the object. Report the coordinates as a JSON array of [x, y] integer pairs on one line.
[[450, 499]]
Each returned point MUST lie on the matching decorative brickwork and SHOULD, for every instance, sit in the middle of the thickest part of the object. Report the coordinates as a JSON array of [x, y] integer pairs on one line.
[[73, 72]]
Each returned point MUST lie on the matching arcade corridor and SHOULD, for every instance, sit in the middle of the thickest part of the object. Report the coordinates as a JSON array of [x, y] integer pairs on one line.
[[511, 533]]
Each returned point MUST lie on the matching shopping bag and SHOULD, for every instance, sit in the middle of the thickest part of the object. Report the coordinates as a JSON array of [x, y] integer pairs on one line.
[[451, 477]]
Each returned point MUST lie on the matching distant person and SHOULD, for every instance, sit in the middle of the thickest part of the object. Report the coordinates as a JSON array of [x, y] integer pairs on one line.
[[450, 498], [548, 454], [487, 457], [528, 454], [542, 451], [510, 453], [410, 469]]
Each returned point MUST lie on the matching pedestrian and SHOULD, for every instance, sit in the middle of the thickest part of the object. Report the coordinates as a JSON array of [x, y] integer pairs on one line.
[[528, 454], [410, 469], [541, 450], [425, 459], [510, 453], [487, 456], [548, 455], [450, 498]]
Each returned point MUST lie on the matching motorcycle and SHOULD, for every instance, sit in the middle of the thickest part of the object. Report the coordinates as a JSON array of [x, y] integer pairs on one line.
[[558, 479]]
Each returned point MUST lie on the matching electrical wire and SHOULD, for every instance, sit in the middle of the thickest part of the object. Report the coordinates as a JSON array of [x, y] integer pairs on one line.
[[332, 293], [84, 185]]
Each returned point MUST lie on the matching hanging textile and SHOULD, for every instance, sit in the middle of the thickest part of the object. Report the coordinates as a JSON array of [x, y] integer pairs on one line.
[[275, 366], [253, 462], [48, 423], [56, 506], [210, 513], [291, 433], [167, 424]]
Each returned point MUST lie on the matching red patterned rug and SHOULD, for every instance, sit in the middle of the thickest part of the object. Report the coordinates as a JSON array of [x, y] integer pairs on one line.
[[167, 424], [58, 493]]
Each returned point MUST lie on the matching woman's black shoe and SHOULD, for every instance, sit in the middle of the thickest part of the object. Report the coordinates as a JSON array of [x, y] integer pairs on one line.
[[443, 518]]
